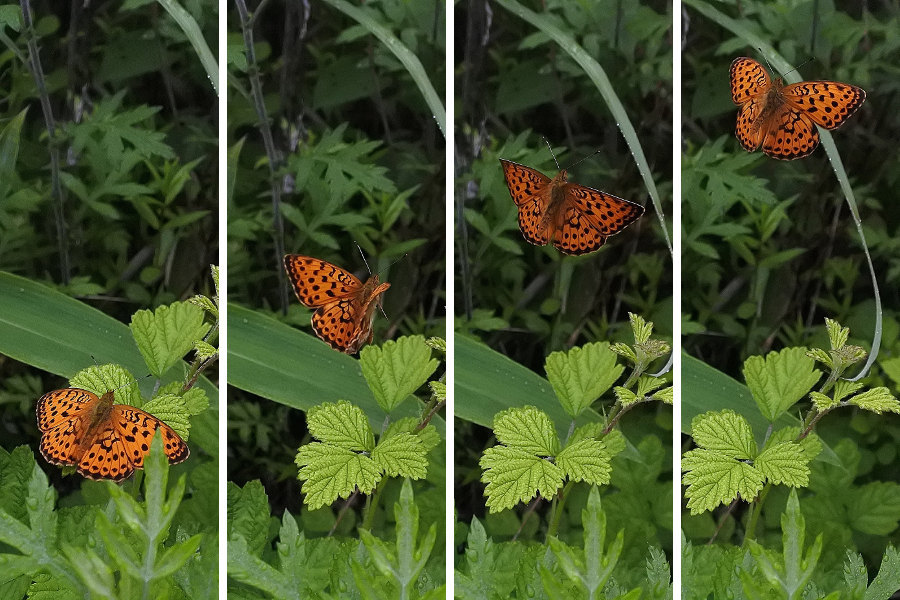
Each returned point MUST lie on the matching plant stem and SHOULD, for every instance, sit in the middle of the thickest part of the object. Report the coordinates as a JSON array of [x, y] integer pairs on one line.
[[371, 505], [274, 157], [37, 72], [559, 503], [750, 533]]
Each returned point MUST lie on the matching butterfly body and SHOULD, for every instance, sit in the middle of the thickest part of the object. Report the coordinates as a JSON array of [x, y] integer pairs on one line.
[[782, 118], [576, 219], [344, 306], [102, 439]]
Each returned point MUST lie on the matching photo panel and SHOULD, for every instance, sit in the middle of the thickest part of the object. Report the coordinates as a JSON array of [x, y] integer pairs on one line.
[[108, 300], [563, 298], [336, 299], [789, 300]]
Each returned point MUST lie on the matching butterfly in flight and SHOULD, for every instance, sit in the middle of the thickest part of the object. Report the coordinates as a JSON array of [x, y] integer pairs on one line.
[[783, 118], [576, 219], [344, 306], [102, 439]]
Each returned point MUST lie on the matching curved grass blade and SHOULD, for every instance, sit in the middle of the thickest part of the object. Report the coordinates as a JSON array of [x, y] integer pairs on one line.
[[285, 365], [403, 54], [192, 32], [792, 76], [46, 329]]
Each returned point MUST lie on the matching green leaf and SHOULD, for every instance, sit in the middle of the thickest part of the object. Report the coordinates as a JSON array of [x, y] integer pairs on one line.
[[341, 424], [875, 507], [888, 579], [877, 400], [104, 378], [165, 335], [331, 472], [527, 429], [248, 515], [582, 375], [513, 475], [401, 455], [784, 462], [171, 409], [780, 380], [665, 395], [724, 431], [396, 369], [843, 388], [714, 478], [837, 335], [822, 402], [586, 460]]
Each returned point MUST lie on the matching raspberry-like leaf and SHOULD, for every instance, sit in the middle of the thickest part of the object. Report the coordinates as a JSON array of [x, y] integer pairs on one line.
[[402, 454], [331, 472], [341, 424], [586, 460], [780, 379], [528, 429], [513, 475], [724, 431]]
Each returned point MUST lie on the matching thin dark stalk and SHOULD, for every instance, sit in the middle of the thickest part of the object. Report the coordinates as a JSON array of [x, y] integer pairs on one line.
[[528, 512], [34, 65], [274, 157]]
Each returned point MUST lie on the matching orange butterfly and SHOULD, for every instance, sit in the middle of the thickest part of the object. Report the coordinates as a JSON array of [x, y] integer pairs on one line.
[[104, 440], [575, 218], [783, 118], [345, 307]]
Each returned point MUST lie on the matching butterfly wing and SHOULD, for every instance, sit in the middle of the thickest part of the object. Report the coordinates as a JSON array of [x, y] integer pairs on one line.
[[529, 189], [577, 236], [749, 85], [136, 429], [826, 103], [791, 135], [60, 406], [106, 457], [606, 213], [346, 324], [317, 282]]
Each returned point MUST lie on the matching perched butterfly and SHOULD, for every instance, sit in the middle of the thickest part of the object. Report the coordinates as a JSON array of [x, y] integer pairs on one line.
[[104, 440], [575, 218], [345, 307], [783, 118]]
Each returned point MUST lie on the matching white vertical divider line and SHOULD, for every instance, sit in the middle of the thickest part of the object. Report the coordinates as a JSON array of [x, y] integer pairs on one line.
[[450, 178], [676, 298], [222, 180]]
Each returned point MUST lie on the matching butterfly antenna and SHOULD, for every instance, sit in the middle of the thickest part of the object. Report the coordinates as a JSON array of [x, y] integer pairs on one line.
[[546, 141], [363, 257], [405, 254], [584, 159]]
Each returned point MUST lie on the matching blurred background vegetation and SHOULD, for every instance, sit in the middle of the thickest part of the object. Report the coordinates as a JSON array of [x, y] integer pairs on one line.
[[360, 160], [136, 121], [769, 248], [514, 86]]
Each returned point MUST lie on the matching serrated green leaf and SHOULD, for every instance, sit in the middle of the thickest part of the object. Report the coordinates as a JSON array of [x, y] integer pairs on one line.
[[875, 507], [843, 388], [624, 350], [586, 460], [582, 375], [714, 478], [837, 335], [165, 335], [170, 408], [821, 356], [248, 515], [784, 462], [780, 380], [204, 350], [589, 430], [104, 378], [724, 431], [527, 429], [331, 472], [665, 395], [641, 329], [513, 475], [341, 424], [822, 402], [615, 442], [401, 455], [878, 400], [624, 396], [888, 579], [437, 343], [438, 390], [396, 369]]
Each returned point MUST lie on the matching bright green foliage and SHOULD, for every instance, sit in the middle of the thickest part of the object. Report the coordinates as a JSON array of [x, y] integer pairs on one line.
[[582, 375], [592, 567], [127, 550], [644, 351], [877, 400], [530, 460], [780, 380], [304, 567], [165, 335], [346, 457], [726, 464], [842, 354], [396, 369]]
